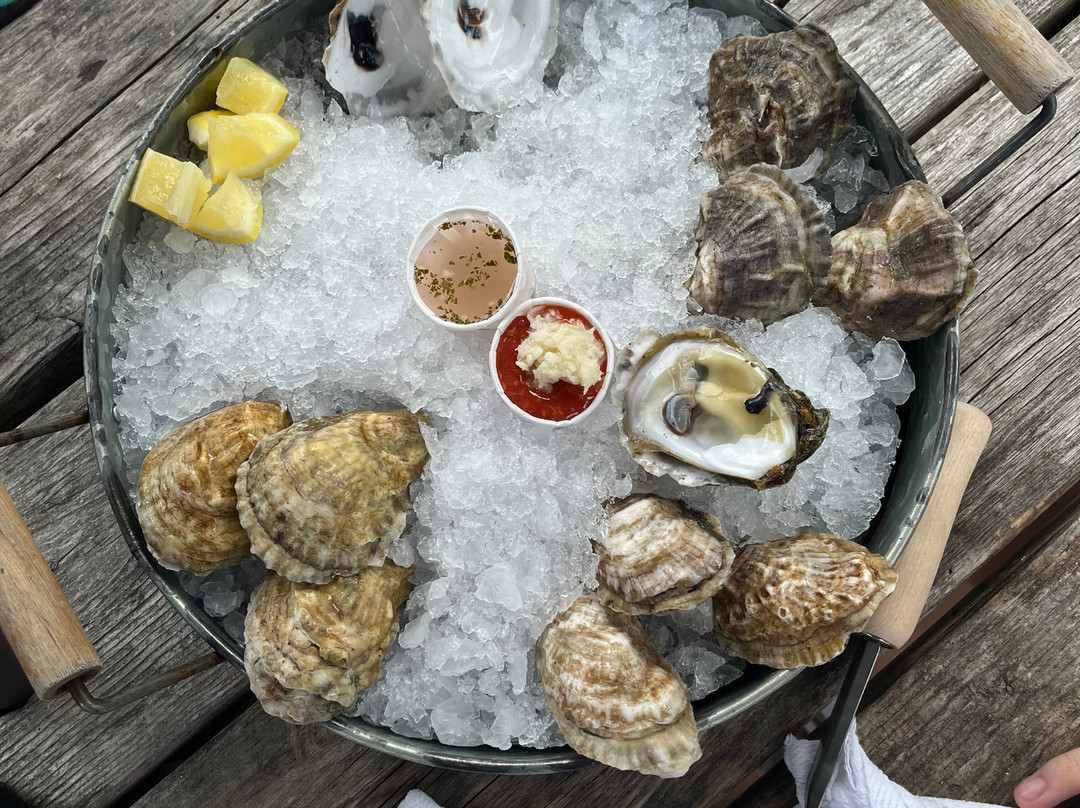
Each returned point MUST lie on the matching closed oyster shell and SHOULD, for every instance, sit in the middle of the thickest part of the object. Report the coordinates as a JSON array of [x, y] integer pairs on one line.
[[326, 497], [187, 496], [615, 699], [795, 601], [761, 244], [660, 555], [776, 98], [700, 408], [311, 649], [902, 271]]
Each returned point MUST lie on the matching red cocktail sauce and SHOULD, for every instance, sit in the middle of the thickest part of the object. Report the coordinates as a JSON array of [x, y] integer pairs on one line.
[[564, 400]]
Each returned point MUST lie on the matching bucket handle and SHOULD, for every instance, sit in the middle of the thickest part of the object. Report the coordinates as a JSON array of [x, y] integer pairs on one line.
[[50, 643], [1008, 48]]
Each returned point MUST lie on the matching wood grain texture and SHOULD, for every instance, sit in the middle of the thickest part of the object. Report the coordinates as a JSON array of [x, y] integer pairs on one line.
[[35, 615], [907, 57], [308, 765], [52, 753], [1018, 333], [1007, 47], [895, 619], [53, 213]]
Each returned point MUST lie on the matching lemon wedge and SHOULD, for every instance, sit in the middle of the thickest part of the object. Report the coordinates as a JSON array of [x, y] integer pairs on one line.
[[245, 87], [198, 126], [154, 181], [247, 145], [188, 195], [233, 213]]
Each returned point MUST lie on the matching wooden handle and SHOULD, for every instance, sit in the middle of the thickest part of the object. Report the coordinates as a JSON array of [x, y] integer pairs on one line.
[[896, 618], [1008, 48], [39, 622]]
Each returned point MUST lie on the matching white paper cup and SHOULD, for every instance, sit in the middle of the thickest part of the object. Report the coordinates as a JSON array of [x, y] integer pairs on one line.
[[524, 283], [604, 383]]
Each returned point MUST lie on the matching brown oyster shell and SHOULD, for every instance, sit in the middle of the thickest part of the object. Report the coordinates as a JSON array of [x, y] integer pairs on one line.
[[903, 270], [811, 423], [311, 649], [761, 244], [774, 99], [660, 555], [327, 497], [187, 497], [795, 601], [615, 699]]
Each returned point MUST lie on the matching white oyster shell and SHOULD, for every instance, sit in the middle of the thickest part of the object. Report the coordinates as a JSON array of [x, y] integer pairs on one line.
[[660, 555], [795, 601], [615, 699], [699, 407], [492, 53], [187, 496], [326, 497], [379, 58], [309, 650]]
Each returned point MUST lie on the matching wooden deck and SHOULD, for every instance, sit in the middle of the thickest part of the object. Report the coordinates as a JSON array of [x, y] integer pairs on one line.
[[984, 695]]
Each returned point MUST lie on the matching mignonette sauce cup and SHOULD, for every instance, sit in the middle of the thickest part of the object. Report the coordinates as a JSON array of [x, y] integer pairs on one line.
[[605, 381], [523, 285]]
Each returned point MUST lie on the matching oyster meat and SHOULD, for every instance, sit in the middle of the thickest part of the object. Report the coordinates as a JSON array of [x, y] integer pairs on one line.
[[660, 555], [615, 699], [379, 58], [492, 53], [795, 601], [310, 649], [700, 408], [776, 98], [326, 497], [903, 270], [187, 496], [761, 245]]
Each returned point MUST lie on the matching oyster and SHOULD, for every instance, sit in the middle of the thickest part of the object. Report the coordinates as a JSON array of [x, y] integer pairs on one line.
[[795, 601], [903, 270], [187, 499], [326, 497], [492, 53], [776, 98], [379, 58], [699, 407], [761, 244], [310, 649], [660, 555], [615, 699]]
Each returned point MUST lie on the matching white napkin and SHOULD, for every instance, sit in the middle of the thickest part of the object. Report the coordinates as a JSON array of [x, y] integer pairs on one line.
[[418, 799], [856, 782]]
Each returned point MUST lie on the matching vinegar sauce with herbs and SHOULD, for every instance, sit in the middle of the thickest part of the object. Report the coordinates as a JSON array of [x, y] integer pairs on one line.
[[466, 272]]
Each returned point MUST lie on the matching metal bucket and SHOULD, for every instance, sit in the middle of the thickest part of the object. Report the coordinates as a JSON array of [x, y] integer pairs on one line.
[[926, 418]]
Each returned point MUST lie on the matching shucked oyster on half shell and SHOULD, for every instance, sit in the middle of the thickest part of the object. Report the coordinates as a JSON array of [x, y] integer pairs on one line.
[[700, 408], [660, 555], [326, 497], [762, 246], [776, 98], [492, 53], [615, 699], [903, 270], [187, 496], [379, 58], [795, 601], [310, 649]]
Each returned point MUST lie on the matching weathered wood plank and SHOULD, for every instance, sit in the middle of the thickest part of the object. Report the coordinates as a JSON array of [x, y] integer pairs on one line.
[[65, 50], [51, 752], [906, 56], [53, 214]]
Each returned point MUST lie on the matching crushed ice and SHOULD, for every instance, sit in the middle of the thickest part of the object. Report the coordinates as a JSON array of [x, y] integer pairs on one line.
[[601, 182]]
